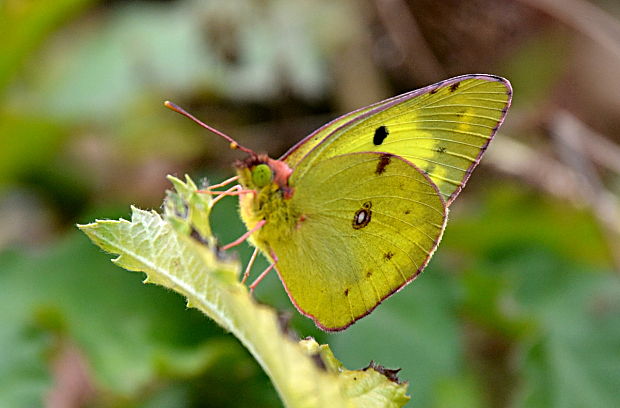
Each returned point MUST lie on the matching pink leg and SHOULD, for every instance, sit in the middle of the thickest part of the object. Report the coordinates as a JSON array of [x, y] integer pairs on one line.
[[265, 272], [218, 198], [249, 267], [223, 183], [229, 192], [245, 236]]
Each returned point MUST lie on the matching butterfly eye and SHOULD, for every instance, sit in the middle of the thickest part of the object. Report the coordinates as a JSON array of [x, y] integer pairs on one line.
[[261, 175]]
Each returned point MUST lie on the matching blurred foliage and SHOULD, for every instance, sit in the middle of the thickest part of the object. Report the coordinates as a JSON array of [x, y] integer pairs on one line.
[[520, 306]]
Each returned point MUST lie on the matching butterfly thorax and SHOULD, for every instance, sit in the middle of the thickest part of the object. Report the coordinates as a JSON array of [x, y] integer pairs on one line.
[[270, 201]]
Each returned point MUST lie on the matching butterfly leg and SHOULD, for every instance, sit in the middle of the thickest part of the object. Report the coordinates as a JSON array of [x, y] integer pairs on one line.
[[265, 272], [219, 197], [246, 274], [223, 183], [231, 192], [245, 236], [234, 190]]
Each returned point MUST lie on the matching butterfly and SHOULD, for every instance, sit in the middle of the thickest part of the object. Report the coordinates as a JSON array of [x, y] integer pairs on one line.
[[353, 212]]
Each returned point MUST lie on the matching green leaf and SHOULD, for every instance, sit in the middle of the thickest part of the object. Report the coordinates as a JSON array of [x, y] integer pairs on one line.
[[177, 251], [374, 386]]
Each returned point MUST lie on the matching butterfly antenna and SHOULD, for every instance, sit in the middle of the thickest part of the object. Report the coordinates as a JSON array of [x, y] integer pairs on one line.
[[233, 143]]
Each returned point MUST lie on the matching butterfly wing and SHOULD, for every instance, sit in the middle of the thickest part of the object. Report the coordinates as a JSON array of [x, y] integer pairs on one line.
[[294, 155], [367, 224], [443, 129]]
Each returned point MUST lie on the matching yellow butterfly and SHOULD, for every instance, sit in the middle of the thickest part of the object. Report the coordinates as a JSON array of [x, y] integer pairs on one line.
[[353, 212]]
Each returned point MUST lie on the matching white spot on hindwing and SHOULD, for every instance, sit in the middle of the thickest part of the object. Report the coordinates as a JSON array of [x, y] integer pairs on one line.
[[362, 216]]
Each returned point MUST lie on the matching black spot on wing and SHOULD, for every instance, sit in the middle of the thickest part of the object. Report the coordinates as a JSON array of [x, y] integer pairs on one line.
[[346, 292], [454, 86], [380, 134], [440, 149], [388, 255], [384, 160], [434, 91]]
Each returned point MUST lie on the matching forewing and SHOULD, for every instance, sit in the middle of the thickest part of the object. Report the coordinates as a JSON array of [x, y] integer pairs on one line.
[[443, 129], [294, 155], [367, 224]]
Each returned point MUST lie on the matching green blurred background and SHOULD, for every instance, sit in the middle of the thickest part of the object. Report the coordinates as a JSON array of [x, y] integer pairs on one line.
[[520, 306]]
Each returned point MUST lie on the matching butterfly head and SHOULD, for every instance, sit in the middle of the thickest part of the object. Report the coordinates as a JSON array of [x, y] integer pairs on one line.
[[259, 171]]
